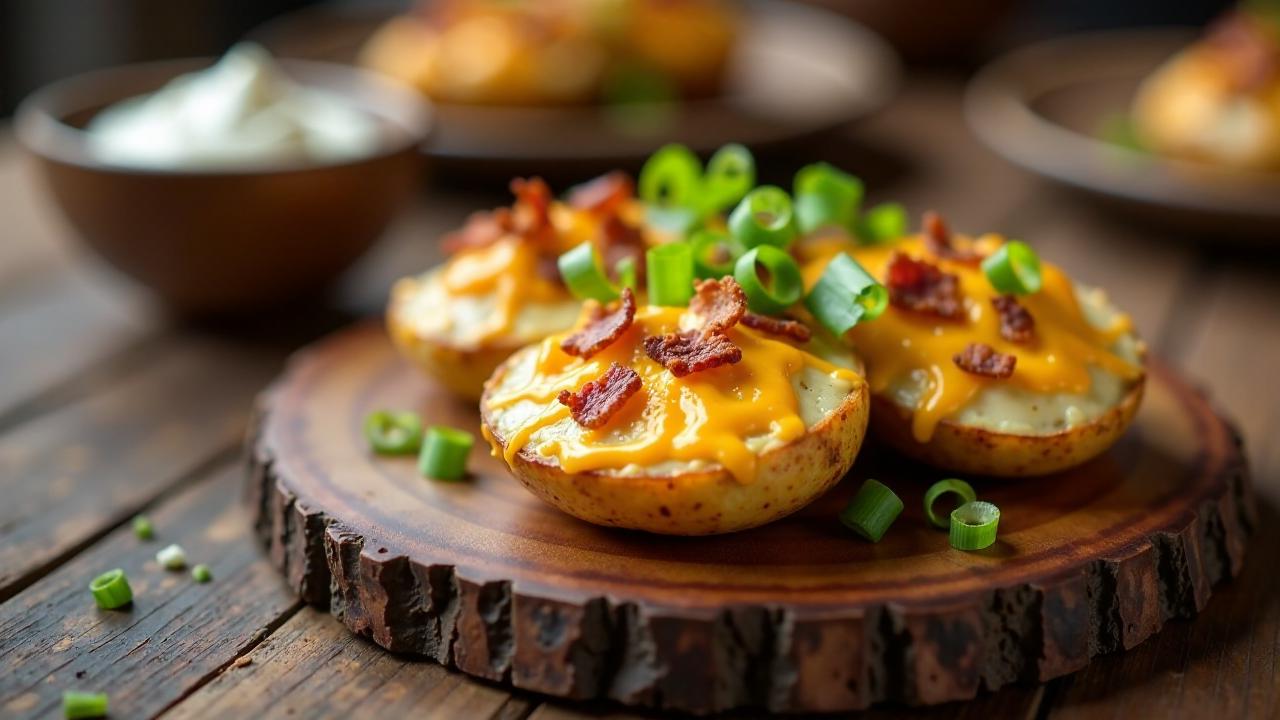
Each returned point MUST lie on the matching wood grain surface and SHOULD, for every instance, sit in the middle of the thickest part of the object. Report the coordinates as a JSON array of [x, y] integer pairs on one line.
[[73, 337]]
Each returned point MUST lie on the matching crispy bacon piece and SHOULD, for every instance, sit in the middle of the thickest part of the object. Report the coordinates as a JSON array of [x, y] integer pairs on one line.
[[921, 287], [603, 330], [716, 306], [690, 352], [1245, 49], [603, 195], [982, 359], [529, 217], [793, 329], [1016, 324], [937, 238], [599, 399], [619, 240], [481, 229]]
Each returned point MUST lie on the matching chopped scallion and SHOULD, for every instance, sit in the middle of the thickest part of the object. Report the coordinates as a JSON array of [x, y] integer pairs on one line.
[[951, 486], [671, 178], [444, 453], [872, 510], [973, 525], [111, 590], [826, 196], [82, 705], [1014, 268], [172, 557], [714, 253], [731, 173], [393, 433], [882, 223], [201, 573], [142, 528], [582, 273], [625, 271], [764, 217], [845, 295], [784, 286], [669, 272]]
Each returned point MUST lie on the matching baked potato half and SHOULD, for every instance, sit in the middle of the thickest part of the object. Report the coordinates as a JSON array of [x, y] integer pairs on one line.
[[714, 451]]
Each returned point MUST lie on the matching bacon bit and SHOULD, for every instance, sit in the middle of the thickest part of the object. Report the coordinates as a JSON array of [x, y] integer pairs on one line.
[[599, 399], [603, 195], [1246, 50], [481, 229], [531, 214], [982, 359], [690, 352], [922, 287], [619, 240], [716, 306], [937, 239], [793, 329], [603, 329], [1016, 324]]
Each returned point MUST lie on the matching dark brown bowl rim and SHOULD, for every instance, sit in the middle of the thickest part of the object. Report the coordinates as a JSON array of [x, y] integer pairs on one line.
[[41, 127]]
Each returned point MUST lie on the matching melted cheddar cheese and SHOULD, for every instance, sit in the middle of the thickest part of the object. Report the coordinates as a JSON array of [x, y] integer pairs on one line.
[[723, 417], [1076, 367]]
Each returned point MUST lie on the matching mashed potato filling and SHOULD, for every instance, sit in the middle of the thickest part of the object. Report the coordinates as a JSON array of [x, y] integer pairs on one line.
[[723, 417]]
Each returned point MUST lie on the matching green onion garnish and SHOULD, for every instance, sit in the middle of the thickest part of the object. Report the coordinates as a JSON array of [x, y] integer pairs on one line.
[[172, 557], [1014, 268], [201, 573], [764, 217], [81, 705], [731, 173], [714, 252], [582, 273], [973, 525], [826, 196], [882, 223], [625, 271], [142, 528], [669, 270], [671, 178], [444, 453], [784, 286], [951, 486], [111, 590], [872, 510], [393, 433], [845, 295]]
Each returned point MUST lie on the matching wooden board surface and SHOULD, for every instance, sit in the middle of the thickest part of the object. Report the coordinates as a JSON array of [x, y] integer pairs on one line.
[[798, 615]]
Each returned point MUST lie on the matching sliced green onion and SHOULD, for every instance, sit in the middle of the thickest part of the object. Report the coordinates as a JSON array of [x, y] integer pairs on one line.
[[883, 223], [677, 221], [142, 528], [582, 273], [872, 510], [846, 295], [973, 525], [785, 284], [671, 178], [81, 705], [764, 217], [669, 270], [444, 453], [826, 196], [951, 486], [393, 433], [714, 252], [111, 590], [625, 271], [731, 173], [172, 557], [1014, 268], [201, 573]]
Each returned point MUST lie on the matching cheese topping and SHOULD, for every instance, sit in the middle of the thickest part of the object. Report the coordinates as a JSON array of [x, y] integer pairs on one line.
[[909, 354], [727, 416]]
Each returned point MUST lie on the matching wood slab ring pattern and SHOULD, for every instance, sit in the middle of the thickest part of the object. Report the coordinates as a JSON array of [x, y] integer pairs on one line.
[[797, 616]]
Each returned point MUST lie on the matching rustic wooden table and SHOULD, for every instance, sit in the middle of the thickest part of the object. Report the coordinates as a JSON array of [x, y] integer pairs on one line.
[[107, 408]]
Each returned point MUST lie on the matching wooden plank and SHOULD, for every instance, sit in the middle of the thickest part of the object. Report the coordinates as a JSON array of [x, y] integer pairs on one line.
[[71, 475], [176, 634], [313, 667]]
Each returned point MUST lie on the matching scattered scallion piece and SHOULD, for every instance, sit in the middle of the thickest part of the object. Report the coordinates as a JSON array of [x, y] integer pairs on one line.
[[393, 433], [671, 178], [625, 271], [846, 295], [872, 510], [731, 173], [444, 453], [81, 705], [973, 525], [950, 486], [784, 286], [142, 528], [582, 273], [172, 557], [201, 573], [882, 223], [1014, 268], [764, 217], [669, 271], [826, 196], [714, 252], [111, 590]]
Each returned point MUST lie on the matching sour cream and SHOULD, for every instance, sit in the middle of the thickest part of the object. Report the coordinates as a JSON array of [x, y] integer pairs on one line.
[[243, 111]]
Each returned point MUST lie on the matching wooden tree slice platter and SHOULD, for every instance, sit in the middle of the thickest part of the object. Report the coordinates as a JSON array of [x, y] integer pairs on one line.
[[800, 615]]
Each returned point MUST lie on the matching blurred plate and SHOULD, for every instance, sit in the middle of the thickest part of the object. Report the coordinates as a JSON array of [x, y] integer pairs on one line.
[[796, 71], [1042, 106]]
